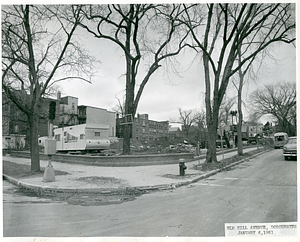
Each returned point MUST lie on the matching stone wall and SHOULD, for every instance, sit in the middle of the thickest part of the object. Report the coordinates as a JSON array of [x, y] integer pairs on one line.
[[118, 160]]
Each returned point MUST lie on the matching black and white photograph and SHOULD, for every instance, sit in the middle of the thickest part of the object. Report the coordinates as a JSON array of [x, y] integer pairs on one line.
[[149, 121]]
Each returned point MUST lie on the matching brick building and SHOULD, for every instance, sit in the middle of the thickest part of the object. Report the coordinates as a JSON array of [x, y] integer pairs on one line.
[[144, 130], [15, 124], [68, 111]]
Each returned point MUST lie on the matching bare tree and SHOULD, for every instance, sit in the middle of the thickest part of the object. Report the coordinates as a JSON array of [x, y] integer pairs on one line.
[[242, 72], [187, 118], [145, 32], [280, 101], [38, 52], [200, 119], [228, 29], [225, 108], [248, 71], [119, 108]]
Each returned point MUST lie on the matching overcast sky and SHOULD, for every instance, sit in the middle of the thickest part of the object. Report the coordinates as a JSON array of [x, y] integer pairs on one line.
[[165, 91]]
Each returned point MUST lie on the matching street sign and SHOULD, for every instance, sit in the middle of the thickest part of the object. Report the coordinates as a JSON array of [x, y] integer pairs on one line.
[[126, 119]]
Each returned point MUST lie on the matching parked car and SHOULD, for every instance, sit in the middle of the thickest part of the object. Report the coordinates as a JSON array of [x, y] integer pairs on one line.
[[290, 148], [252, 140]]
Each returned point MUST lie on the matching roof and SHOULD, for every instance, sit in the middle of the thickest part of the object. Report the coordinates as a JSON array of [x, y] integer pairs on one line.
[[280, 133], [174, 129]]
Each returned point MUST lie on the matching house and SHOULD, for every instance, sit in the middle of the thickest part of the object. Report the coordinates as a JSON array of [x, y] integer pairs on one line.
[[255, 129], [174, 131]]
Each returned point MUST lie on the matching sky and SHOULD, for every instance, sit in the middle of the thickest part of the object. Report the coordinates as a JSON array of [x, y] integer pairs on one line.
[[166, 91]]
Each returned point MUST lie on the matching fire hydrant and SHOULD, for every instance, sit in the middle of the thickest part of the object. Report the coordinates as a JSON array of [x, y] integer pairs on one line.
[[182, 167]]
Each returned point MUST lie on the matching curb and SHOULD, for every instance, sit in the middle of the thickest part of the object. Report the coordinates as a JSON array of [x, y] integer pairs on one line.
[[125, 190]]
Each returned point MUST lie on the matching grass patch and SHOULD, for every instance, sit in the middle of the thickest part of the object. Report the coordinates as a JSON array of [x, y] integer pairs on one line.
[[21, 171], [228, 161]]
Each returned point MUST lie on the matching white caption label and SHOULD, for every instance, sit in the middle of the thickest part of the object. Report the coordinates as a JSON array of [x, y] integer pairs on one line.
[[261, 229]]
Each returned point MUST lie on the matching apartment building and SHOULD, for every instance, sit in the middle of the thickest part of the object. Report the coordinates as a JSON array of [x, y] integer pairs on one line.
[[144, 130]]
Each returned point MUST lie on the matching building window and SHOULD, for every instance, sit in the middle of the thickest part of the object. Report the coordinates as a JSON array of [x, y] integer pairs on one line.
[[82, 136], [73, 106], [97, 133], [57, 137]]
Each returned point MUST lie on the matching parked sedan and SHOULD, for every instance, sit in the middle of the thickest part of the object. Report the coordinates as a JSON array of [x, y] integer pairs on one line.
[[290, 148]]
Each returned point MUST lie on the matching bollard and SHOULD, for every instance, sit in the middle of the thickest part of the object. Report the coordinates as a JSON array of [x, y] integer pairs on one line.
[[49, 175], [182, 167]]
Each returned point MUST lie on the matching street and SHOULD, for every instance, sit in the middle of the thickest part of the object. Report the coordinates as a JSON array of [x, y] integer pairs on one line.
[[261, 190]]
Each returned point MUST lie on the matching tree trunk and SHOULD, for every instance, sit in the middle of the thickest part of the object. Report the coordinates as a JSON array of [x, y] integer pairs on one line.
[[34, 151], [239, 136], [239, 124], [240, 112], [129, 105], [226, 140], [211, 155], [126, 139]]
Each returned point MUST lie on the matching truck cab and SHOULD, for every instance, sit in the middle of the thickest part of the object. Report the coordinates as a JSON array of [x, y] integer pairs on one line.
[[280, 139]]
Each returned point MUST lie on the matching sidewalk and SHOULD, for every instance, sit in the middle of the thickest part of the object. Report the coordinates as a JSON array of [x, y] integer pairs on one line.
[[87, 178]]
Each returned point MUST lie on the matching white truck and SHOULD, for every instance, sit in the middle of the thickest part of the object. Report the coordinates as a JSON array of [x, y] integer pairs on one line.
[[280, 139]]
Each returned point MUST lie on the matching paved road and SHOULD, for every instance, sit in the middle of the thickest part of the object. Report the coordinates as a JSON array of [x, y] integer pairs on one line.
[[261, 190]]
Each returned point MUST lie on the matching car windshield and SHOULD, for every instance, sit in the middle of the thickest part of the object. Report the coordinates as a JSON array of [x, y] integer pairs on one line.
[[279, 138], [292, 141]]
